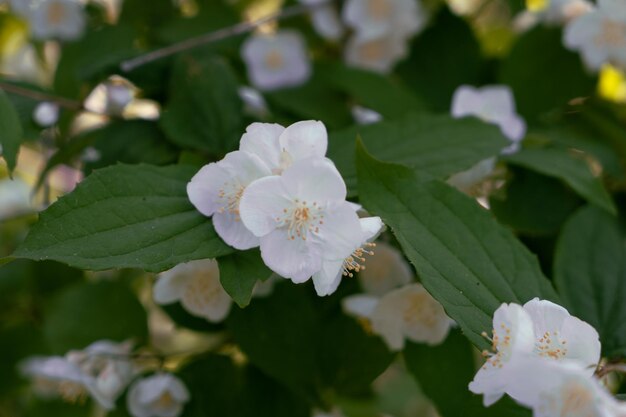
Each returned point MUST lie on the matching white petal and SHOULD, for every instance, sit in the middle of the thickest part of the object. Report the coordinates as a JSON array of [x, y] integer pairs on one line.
[[204, 295], [360, 305], [295, 259], [328, 278], [583, 343], [315, 180], [261, 139], [169, 286], [371, 227], [546, 315], [513, 128], [304, 140], [204, 188], [232, 230], [262, 202], [341, 232], [385, 271], [326, 22], [387, 322], [465, 101]]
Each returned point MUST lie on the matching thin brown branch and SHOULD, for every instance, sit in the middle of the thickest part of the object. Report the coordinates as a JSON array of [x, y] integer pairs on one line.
[[215, 36], [40, 96]]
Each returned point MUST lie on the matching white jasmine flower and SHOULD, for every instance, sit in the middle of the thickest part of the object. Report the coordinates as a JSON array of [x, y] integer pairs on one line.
[[325, 19], [102, 370], [409, 313], [365, 116], [118, 97], [217, 189], [46, 114], [539, 329], [14, 197], [276, 61], [111, 97], [21, 7], [385, 271], [562, 389], [335, 265], [492, 104], [563, 11], [300, 217], [600, 35], [467, 181], [159, 395], [197, 286], [376, 54], [62, 19], [253, 101], [280, 147], [378, 18]]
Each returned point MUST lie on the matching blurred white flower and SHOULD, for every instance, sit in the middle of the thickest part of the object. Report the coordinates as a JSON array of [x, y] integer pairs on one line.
[[46, 114], [159, 395], [466, 181], [62, 19], [385, 271], [600, 35], [197, 286], [563, 11], [372, 19], [253, 101], [539, 329], [102, 370], [325, 19], [24, 64], [21, 7], [375, 54], [562, 389], [365, 116], [493, 104], [111, 97], [409, 313], [276, 61], [335, 265], [300, 216], [14, 197]]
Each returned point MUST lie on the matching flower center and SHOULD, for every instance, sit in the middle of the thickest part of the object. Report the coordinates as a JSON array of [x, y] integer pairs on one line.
[[72, 392], [379, 9], [200, 291], [613, 34], [551, 346], [301, 219], [577, 400], [229, 197], [500, 347], [372, 51], [165, 401], [422, 310], [354, 262], [56, 13], [274, 60]]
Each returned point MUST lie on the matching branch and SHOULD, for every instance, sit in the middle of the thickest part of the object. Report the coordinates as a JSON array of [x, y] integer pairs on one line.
[[40, 96], [215, 36]]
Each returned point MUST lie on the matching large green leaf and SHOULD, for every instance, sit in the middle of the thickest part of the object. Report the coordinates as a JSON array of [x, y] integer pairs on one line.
[[10, 131], [204, 110], [125, 216], [433, 144], [90, 312], [444, 373], [590, 273], [464, 258], [240, 272], [569, 168]]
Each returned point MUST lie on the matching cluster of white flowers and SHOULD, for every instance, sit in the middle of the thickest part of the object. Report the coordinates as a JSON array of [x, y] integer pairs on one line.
[[103, 371], [60, 19], [545, 359], [381, 29], [280, 192], [394, 308]]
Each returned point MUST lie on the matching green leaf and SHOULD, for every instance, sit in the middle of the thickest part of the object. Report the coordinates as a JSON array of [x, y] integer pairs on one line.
[[10, 131], [434, 144], [239, 273], [590, 273], [444, 372], [442, 58], [90, 312], [204, 110], [465, 259], [135, 216], [569, 168], [543, 74]]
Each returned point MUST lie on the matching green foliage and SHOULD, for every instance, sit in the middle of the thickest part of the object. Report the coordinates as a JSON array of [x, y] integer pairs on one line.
[[89, 312], [431, 144], [239, 273], [125, 216], [466, 260], [590, 273], [11, 131]]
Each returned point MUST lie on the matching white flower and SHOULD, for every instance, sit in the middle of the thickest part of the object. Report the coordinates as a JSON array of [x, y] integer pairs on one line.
[[300, 217], [197, 286], [14, 197], [600, 35], [539, 329], [46, 114], [562, 389], [62, 19], [21, 7], [102, 370], [335, 266], [378, 18], [276, 61], [365, 116], [467, 181], [159, 395], [385, 271], [563, 11], [377, 54], [253, 101], [493, 104], [325, 19], [409, 313], [216, 190]]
